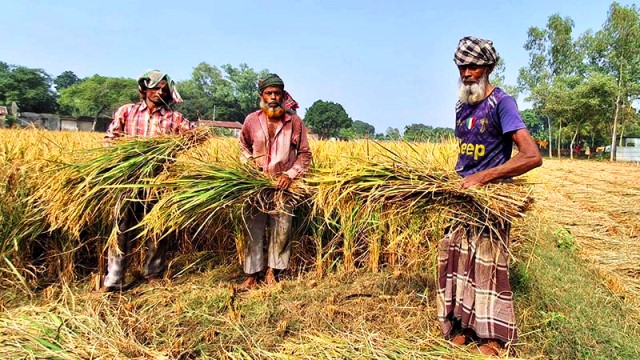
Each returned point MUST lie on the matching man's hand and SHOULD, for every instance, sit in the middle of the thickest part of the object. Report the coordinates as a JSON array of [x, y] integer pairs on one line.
[[472, 180], [283, 182]]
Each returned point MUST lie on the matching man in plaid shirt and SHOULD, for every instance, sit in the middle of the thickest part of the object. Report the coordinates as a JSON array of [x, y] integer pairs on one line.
[[152, 116]]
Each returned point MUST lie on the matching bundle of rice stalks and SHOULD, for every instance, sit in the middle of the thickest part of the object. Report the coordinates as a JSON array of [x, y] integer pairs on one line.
[[95, 190], [405, 184], [22, 226], [370, 205], [200, 194]]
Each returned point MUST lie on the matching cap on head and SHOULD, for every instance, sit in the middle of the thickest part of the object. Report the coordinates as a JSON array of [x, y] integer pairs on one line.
[[270, 80], [475, 51]]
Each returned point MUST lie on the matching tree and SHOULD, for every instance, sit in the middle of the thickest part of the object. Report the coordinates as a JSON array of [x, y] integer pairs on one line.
[[535, 124], [582, 102], [393, 133], [417, 132], [29, 88], [363, 129], [244, 85], [553, 55], [65, 80], [214, 94], [614, 50], [98, 95], [326, 118], [196, 104], [346, 134], [421, 132]]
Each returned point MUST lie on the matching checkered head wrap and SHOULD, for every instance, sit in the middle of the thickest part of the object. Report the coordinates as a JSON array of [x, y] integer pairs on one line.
[[474, 51], [289, 102], [152, 78]]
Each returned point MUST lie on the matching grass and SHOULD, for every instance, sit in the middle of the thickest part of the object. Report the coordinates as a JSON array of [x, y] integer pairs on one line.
[[564, 308]]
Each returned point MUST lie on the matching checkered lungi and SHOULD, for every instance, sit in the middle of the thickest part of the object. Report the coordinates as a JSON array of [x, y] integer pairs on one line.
[[473, 284]]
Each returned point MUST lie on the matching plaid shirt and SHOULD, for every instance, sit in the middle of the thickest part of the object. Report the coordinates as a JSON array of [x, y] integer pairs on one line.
[[137, 120]]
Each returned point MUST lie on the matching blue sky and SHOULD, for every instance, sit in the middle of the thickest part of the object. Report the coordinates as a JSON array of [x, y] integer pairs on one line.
[[389, 63]]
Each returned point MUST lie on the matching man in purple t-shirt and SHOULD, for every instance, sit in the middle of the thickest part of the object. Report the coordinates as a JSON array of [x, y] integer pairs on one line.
[[474, 295]]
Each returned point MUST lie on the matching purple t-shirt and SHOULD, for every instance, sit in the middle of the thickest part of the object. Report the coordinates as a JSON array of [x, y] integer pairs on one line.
[[484, 132]]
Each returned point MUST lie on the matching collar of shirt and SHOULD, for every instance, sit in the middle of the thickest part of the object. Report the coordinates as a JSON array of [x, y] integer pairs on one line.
[[263, 117], [162, 109]]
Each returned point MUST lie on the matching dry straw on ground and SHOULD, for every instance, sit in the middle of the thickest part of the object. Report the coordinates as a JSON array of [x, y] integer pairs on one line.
[[594, 206]]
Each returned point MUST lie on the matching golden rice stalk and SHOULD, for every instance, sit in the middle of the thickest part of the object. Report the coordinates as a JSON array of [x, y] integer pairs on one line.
[[94, 190]]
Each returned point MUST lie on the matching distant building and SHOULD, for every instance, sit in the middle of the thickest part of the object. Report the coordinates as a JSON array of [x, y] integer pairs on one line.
[[62, 123], [630, 151], [312, 135], [83, 123], [43, 121], [631, 141], [232, 126], [3, 115]]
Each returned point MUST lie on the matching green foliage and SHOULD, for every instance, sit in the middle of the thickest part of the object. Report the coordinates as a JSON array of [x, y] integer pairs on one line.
[[565, 240], [421, 132], [65, 80], [10, 121], [584, 84], [29, 88], [535, 124], [614, 51], [362, 129], [98, 95], [392, 134], [326, 118], [347, 134], [553, 56], [213, 94]]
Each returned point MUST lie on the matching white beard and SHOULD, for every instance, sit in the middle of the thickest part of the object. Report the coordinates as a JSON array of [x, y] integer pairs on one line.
[[474, 93]]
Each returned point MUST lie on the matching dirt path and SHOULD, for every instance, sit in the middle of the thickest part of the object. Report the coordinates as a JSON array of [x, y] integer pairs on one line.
[[598, 203]]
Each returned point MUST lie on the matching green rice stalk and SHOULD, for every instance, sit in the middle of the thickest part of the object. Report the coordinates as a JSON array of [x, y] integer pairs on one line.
[[203, 194]]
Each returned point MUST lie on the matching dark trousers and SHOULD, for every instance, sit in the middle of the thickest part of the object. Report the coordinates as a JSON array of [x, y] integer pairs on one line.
[[118, 259]]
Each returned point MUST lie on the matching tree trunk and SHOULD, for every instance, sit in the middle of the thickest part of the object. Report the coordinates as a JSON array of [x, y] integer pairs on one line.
[[559, 140], [550, 151], [621, 136], [95, 119], [612, 156], [573, 140], [614, 136]]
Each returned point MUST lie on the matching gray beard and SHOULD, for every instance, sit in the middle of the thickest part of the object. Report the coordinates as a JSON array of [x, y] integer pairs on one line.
[[472, 94]]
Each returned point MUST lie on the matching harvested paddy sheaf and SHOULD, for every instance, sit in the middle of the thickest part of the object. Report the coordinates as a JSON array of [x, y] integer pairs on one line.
[[365, 203]]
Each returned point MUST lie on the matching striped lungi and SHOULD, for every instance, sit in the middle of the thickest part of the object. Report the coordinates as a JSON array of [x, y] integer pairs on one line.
[[473, 284]]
